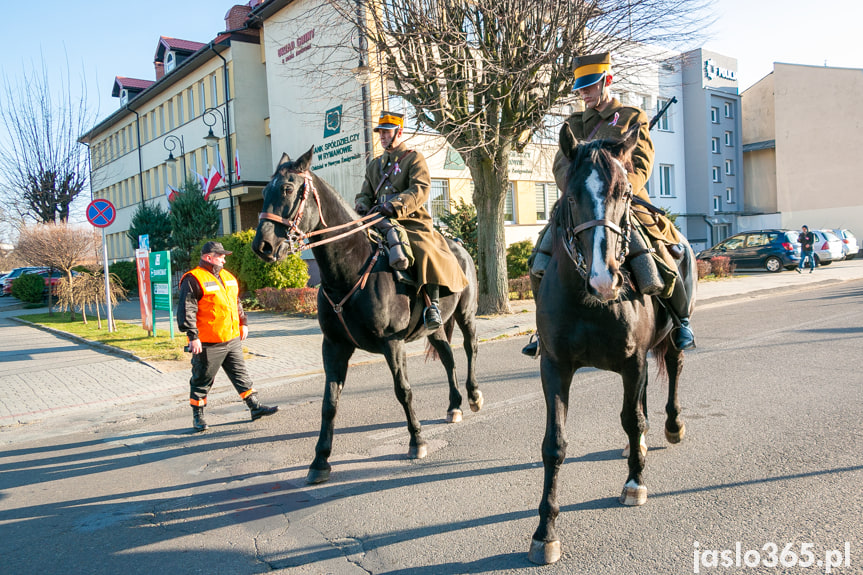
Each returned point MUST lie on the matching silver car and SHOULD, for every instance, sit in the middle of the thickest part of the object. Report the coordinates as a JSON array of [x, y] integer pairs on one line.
[[828, 248], [849, 243]]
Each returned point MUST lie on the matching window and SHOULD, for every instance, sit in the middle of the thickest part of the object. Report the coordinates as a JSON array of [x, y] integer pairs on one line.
[[181, 113], [714, 115], [716, 177], [203, 87], [733, 243], [191, 103], [757, 240], [170, 62], [215, 87], [664, 123], [438, 203], [729, 138], [729, 110], [714, 145], [546, 194], [666, 179], [508, 212], [729, 167], [717, 204], [729, 195], [645, 102]]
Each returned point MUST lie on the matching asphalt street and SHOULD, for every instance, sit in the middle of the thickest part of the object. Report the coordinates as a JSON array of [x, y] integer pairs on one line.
[[120, 484]]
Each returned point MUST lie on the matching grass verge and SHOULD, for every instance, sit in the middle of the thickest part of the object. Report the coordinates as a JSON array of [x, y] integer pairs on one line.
[[128, 337]]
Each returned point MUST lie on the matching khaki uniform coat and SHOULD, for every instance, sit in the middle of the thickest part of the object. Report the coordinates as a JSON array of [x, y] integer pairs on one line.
[[407, 188], [613, 123]]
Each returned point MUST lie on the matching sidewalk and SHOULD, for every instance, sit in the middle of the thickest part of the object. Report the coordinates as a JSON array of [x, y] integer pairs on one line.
[[44, 376]]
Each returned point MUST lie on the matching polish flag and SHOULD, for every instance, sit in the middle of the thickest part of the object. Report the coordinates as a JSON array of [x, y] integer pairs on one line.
[[171, 193], [215, 178], [203, 181], [221, 163], [237, 164]]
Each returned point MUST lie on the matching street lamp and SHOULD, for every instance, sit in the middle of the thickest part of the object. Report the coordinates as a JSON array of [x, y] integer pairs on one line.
[[210, 116], [171, 143]]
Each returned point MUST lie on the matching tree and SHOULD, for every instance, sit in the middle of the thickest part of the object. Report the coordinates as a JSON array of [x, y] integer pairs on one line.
[[153, 220], [193, 218], [58, 247], [43, 168], [486, 74]]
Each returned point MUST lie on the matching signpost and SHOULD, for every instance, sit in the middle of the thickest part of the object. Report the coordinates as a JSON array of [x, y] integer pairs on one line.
[[101, 214], [142, 264], [160, 279]]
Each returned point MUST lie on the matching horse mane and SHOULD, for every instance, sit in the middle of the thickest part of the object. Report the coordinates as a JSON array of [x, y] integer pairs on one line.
[[337, 207]]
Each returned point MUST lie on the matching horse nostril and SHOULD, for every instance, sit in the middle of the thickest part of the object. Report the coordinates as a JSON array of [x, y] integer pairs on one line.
[[265, 248]]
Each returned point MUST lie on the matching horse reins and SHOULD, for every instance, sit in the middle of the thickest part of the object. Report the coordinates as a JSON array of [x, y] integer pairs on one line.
[[299, 241]]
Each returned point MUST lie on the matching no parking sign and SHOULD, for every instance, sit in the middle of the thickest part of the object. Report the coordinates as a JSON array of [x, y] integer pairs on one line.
[[101, 213]]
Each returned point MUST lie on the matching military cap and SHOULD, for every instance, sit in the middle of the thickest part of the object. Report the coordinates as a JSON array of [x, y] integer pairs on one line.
[[390, 121], [590, 69]]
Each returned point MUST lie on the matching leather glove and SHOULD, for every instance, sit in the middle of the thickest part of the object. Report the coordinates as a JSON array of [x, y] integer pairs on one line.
[[385, 209], [361, 209]]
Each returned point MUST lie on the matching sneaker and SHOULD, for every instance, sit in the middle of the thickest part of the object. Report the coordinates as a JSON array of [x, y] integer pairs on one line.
[[798, 270], [810, 271], [432, 318]]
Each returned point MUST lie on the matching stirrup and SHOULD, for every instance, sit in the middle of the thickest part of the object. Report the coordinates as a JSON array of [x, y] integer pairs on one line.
[[432, 318], [532, 347]]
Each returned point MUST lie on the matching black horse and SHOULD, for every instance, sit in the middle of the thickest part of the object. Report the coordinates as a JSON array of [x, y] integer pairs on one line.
[[360, 303], [589, 315]]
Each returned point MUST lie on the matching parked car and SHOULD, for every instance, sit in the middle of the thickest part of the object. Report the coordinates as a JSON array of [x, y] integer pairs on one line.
[[849, 243], [772, 250], [6, 287], [828, 248]]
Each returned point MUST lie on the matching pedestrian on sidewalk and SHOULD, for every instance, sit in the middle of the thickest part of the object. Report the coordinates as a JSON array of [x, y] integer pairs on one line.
[[807, 246], [210, 312]]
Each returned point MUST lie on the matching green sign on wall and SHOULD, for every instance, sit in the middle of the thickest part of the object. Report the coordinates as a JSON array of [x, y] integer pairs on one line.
[[160, 280]]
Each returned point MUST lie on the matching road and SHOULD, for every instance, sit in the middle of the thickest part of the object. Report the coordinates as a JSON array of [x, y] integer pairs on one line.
[[772, 399]]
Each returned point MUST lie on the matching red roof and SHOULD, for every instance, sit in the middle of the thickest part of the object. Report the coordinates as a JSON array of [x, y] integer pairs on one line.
[[134, 83], [180, 45]]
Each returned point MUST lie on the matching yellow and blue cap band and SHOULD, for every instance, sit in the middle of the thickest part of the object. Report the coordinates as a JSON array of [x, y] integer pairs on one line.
[[389, 121], [590, 74]]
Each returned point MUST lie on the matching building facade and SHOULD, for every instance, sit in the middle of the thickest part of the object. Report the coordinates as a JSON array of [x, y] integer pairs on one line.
[[801, 143]]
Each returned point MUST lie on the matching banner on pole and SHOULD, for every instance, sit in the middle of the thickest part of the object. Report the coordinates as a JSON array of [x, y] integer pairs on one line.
[[142, 262]]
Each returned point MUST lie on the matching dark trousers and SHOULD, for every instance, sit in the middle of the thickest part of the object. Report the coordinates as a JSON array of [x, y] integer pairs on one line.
[[205, 366]]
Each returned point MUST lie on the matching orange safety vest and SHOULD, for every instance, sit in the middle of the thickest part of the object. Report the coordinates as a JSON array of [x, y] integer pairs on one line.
[[218, 318]]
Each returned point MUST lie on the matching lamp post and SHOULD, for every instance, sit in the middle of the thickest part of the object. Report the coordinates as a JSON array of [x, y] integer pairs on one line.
[[175, 142], [210, 116]]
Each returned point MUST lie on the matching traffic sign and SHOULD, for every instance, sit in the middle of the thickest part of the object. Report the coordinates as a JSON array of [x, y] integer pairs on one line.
[[101, 213]]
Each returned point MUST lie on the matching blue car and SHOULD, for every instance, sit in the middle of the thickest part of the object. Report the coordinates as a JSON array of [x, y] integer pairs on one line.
[[772, 250]]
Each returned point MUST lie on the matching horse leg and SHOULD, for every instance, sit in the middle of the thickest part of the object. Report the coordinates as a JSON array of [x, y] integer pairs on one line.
[[397, 361], [441, 345], [635, 425], [675, 428], [642, 443], [545, 546], [467, 324], [335, 358]]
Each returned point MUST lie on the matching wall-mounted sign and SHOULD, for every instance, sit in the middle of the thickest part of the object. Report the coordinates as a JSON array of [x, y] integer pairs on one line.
[[294, 48], [335, 152], [333, 122], [711, 71]]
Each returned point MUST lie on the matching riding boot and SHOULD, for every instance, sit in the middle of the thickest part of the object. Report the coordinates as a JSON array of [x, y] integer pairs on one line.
[[397, 256], [258, 409], [431, 314], [198, 421], [679, 304], [532, 347]]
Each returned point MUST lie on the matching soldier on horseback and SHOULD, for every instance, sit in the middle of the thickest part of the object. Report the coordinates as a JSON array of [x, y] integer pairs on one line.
[[604, 117], [397, 185]]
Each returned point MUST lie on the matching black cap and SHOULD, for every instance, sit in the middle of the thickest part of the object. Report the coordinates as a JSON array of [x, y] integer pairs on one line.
[[214, 248]]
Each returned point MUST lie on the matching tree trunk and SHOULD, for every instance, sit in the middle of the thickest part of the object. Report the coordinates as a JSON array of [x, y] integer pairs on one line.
[[490, 177]]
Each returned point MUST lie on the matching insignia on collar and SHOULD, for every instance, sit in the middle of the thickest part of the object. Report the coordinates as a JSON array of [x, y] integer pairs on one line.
[[616, 118]]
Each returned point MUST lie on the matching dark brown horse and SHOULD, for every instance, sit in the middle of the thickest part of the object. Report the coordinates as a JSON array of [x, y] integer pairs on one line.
[[588, 315], [360, 303]]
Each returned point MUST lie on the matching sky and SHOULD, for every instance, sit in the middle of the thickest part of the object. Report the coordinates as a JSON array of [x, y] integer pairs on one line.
[[104, 39]]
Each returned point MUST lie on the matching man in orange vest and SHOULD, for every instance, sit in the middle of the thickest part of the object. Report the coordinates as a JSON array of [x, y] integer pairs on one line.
[[210, 312]]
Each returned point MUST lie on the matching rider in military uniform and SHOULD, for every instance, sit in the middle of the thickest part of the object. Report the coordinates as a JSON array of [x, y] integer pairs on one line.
[[604, 117], [397, 185]]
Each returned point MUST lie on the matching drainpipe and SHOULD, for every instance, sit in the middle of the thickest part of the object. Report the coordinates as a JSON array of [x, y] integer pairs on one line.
[[709, 225], [228, 150], [140, 160]]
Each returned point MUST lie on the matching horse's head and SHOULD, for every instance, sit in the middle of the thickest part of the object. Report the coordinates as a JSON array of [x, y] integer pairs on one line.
[[290, 209], [594, 211]]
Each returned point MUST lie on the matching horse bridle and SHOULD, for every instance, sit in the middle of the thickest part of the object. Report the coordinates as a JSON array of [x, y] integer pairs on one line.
[[570, 239], [297, 239]]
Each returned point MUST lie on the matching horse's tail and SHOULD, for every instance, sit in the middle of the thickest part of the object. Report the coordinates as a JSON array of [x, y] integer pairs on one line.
[[448, 327], [659, 351]]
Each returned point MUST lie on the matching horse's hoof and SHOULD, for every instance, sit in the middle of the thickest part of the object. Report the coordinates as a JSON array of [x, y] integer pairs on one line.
[[676, 437], [477, 405], [543, 553], [317, 476], [642, 445], [453, 416], [633, 494], [417, 452]]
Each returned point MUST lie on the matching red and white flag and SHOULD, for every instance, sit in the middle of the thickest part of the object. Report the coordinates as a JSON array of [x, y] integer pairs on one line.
[[221, 163], [237, 164], [215, 178], [171, 193], [201, 180]]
